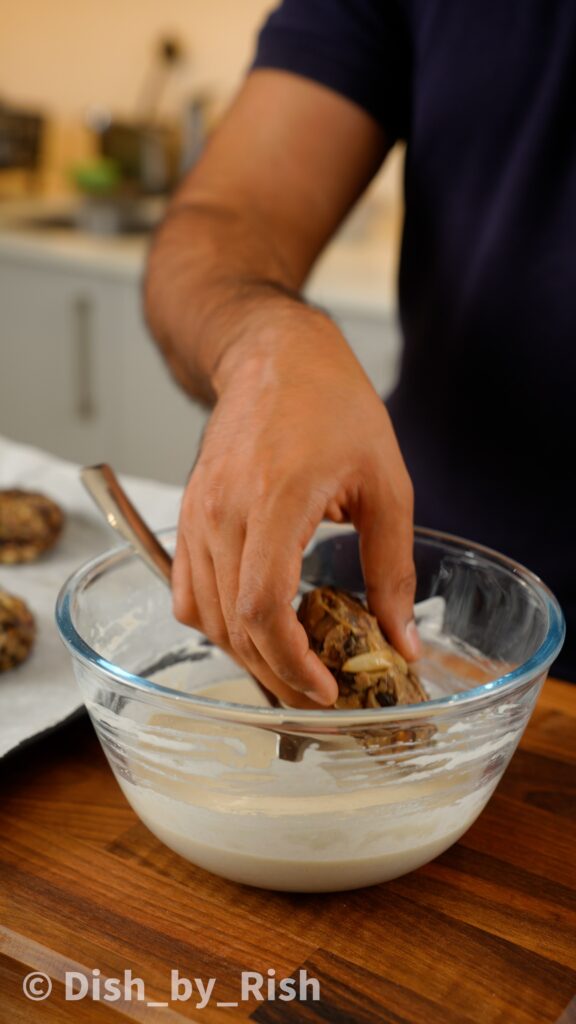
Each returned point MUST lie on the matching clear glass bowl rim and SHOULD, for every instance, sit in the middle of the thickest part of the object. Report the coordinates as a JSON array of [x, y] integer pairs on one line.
[[532, 668]]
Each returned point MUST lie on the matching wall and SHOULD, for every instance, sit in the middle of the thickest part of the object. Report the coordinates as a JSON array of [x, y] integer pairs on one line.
[[67, 56], [71, 56]]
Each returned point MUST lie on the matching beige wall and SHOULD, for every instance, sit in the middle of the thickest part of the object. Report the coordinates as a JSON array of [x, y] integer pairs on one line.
[[69, 55]]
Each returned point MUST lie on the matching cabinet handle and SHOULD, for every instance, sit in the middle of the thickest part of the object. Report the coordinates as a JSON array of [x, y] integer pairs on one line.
[[83, 323]]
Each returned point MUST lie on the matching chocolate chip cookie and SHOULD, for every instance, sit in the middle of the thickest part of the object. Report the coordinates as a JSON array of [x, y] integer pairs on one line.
[[370, 673], [17, 631], [30, 524]]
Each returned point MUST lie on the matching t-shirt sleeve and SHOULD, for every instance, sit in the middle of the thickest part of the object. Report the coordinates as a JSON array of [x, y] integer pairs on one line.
[[359, 48]]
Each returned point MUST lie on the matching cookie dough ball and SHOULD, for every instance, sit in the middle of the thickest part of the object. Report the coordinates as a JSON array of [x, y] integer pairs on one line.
[[29, 525], [17, 631]]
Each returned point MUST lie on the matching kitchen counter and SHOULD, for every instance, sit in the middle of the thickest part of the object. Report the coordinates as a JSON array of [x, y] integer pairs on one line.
[[357, 271], [486, 934]]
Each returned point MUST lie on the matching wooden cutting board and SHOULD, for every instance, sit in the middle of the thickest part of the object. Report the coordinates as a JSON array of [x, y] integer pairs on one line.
[[486, 934]]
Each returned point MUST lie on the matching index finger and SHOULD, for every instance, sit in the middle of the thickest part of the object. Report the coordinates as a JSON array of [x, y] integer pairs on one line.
[[269, 576]]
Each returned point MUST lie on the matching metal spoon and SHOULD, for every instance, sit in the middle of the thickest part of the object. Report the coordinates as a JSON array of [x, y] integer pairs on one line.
[[106, 490], [104, 487]]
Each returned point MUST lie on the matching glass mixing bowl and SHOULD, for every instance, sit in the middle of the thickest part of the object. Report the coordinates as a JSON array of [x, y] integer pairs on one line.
[[311, 800]]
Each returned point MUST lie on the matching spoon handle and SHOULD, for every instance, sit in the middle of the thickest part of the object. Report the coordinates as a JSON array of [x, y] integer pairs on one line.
[[104, 487]]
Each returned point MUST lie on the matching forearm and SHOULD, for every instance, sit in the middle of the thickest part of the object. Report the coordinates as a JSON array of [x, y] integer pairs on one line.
[[214, 276], [298, 432], [282, 170]]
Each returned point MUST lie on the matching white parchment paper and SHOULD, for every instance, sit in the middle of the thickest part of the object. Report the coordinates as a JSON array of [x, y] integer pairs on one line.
[[42, 692]]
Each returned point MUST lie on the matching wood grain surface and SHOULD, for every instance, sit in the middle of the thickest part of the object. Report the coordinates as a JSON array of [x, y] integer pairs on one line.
[[486, 934]]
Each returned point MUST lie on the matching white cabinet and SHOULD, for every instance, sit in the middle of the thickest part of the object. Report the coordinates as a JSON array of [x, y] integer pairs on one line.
[[80, 376], [161, 427], [57, 359], [375, 338]]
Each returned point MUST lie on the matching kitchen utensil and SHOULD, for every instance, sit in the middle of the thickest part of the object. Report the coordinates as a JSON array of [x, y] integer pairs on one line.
[[104, 487], [20, 138]]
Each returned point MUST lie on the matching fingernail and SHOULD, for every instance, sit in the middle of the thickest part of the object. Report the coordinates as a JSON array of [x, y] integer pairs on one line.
[[413, 639]]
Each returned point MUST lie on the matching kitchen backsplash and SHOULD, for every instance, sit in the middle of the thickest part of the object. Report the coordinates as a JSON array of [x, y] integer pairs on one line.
[[69, 59], [76, 60]]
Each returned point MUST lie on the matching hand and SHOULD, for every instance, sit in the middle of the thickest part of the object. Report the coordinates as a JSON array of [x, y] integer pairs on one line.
[[298, 434]]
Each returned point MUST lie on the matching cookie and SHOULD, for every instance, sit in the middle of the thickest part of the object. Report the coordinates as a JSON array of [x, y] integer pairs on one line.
[[370, 673], [30, 524], [17, 631]]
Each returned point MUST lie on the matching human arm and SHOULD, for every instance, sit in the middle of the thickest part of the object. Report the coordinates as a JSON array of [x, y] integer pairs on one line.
[[298, 432]]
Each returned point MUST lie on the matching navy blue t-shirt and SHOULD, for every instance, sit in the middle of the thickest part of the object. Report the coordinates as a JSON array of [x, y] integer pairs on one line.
[[484, 94]]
